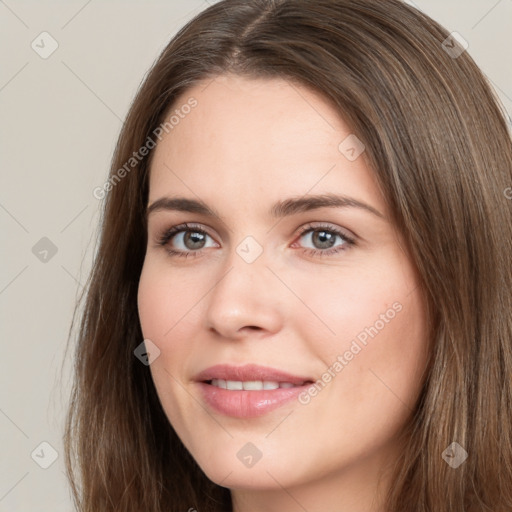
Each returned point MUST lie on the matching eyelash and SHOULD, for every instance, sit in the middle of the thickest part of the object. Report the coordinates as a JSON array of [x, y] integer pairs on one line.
[[167, 235]]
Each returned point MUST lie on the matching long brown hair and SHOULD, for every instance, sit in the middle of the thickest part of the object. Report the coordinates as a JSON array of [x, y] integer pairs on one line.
[[436, 139]]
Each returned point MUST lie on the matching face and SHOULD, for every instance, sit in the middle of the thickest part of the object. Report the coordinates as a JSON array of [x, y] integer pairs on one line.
[[291, 329]]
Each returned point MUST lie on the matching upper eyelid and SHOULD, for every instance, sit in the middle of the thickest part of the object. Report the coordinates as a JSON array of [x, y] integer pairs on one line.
[[323, 225]]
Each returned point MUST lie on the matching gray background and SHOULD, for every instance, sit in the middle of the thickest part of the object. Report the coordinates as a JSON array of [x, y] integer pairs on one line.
[[60, 118]]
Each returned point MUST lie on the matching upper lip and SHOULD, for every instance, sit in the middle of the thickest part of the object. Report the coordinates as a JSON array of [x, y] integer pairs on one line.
[[249, 372]]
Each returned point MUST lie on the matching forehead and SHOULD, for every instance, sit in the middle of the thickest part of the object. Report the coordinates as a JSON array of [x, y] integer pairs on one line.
[[250, 138]]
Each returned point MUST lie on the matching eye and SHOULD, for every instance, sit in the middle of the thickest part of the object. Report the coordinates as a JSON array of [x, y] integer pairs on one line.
[[189, 240], [185, 239], [324, 238]]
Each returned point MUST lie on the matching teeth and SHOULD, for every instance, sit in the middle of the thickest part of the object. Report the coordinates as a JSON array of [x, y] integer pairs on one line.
[[221, 383], [249, 385], [234, 385]]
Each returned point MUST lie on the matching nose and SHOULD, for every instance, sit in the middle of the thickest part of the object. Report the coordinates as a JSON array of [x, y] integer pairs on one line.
[[246, 300]]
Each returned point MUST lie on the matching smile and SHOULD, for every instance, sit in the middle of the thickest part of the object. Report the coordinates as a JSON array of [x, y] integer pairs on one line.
[[248, 391], [250, 385]]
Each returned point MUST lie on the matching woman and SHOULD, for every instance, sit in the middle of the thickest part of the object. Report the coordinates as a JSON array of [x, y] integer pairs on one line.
[[301, 299]]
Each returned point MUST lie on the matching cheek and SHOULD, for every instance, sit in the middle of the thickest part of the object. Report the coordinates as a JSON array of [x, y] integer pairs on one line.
[[166, 311], [372, 369], [171, 305], [163, 300], [349, 303], [371, 331]]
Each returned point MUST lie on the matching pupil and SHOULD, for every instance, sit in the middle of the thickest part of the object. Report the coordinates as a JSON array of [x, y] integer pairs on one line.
[[196, 239], [324, 239]]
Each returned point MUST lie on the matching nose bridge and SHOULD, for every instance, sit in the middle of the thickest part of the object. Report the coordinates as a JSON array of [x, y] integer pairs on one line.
[[245, 294]]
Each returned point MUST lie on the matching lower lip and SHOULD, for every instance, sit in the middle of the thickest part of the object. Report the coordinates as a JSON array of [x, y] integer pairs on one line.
[[247, 404]]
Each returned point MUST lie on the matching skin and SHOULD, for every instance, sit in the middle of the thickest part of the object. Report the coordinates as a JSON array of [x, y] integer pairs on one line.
[[246, 145]]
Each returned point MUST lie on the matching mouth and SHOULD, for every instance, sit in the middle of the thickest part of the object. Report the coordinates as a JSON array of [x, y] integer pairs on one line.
[[250, 373], [248, 391], [252, 385]]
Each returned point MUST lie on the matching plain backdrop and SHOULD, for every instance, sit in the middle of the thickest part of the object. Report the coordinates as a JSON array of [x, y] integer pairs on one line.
[[60, 118]]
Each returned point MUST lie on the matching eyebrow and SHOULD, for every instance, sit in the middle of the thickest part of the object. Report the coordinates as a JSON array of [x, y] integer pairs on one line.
[[280, 209]]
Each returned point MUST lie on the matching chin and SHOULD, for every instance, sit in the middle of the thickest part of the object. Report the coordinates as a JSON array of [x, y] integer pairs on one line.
[[226, 467]]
